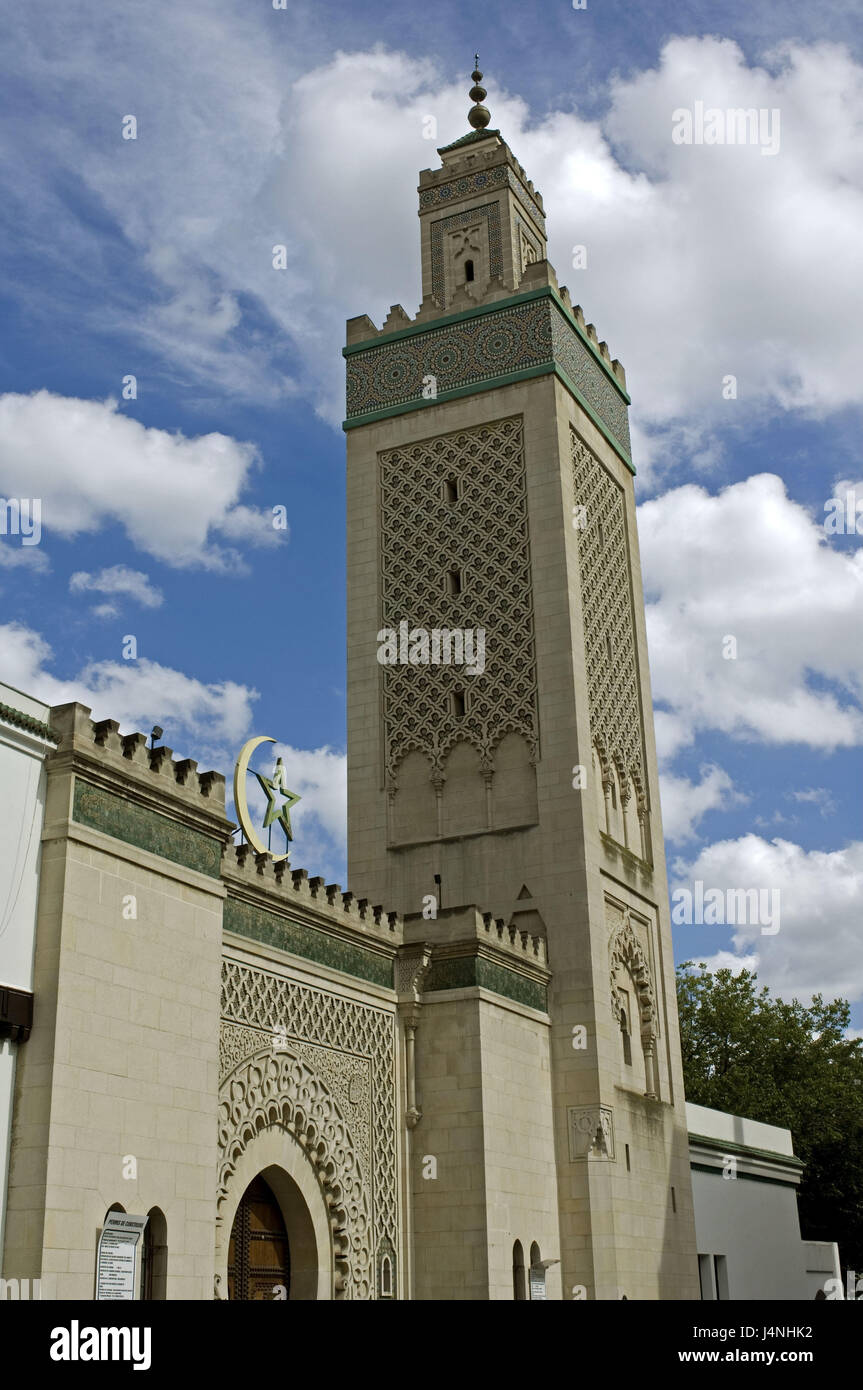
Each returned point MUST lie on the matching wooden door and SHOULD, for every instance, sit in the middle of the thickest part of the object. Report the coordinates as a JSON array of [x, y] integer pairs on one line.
[[259, 1264]]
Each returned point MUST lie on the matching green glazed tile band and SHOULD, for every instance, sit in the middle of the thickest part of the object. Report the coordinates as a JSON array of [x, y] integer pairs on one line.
[[256, 923], [138, 825]]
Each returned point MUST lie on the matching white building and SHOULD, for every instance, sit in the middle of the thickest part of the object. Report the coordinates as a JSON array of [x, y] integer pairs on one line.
[[25, 739], [744, 1185]]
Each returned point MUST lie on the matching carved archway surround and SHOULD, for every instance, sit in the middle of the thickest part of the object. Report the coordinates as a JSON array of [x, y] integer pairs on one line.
[[625, 953], [279, 1091]]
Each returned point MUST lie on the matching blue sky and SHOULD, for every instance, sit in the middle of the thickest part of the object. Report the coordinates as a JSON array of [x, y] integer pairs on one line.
[[304, 127]]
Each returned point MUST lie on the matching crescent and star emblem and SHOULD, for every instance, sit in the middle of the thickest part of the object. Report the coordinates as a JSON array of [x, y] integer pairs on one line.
[[272, 787]]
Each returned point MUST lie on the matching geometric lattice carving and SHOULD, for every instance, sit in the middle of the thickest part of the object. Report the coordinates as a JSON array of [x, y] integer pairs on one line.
[[484, 534], [358, 1032], [279, 1089], [609, 627]]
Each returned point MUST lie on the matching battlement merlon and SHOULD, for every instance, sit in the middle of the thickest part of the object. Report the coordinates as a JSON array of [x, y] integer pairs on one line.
[[277, 887], [97, 752], [361, 332], [478, 152], [421, 363], [469, 925]]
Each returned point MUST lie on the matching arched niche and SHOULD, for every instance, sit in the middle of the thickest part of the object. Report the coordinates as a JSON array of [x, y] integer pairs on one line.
[[514, 784], [519, 1280], [464, 792], [596, 783], [632, 828], [154, 1257], [414, 806]]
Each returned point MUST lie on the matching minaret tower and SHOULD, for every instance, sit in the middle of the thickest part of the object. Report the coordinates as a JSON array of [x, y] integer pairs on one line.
[[501, 760]]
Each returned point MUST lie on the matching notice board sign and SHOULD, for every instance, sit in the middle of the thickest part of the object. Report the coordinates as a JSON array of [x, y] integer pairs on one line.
[[117, 1258], [537, 1282]]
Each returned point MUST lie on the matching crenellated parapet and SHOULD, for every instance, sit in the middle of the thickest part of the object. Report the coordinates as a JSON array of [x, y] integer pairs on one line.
[[325, 903], [116, 785], [471, 948], [486, 336]]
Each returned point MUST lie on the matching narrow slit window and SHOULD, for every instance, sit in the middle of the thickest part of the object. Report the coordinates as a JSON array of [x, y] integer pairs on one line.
[[450, 491], [628, 1164], [458, 703], [468, 270], [453, 583], [627, 1040]]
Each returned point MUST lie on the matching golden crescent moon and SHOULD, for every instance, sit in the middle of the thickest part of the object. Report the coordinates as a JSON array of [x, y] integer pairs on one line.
[[240, 802]]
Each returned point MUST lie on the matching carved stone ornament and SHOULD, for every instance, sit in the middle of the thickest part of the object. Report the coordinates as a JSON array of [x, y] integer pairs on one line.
[[591, 1132]]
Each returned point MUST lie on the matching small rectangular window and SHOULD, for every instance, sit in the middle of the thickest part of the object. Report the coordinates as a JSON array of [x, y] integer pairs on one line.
[[450, 491], [458, 703], [628, 1164], [720, 1269], [453, 582]]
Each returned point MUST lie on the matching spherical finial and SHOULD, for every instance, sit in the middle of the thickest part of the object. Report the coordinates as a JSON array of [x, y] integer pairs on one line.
[[478, 116]]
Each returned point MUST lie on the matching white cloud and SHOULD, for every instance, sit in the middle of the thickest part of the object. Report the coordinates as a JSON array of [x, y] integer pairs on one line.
[[205, 721], [750, 563], [14, 554], [816, 796], [817, 947], [137, 694], [691, 249], [727, 960], [684, 802], [92, 465], [120, 580]]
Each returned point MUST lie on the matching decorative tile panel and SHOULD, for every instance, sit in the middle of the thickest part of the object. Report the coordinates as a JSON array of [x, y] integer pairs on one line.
[[462, 972], [468, 184], [272, 929], [476, 350], [590, 380], [138, 825]]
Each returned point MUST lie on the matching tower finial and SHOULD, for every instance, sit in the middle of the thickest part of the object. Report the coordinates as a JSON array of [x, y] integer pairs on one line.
[[478, 115]]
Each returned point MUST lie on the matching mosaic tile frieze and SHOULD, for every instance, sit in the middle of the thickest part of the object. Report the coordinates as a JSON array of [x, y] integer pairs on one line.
[[478, 349], [272, 929], [590, 380], [138, 825], [467, 185]]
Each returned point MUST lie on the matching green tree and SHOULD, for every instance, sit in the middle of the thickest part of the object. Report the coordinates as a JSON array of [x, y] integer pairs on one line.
[[784, 1064]]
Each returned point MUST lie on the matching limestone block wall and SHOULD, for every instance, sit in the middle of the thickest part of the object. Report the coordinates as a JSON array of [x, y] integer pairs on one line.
[[117, 1088], [482, 1153]]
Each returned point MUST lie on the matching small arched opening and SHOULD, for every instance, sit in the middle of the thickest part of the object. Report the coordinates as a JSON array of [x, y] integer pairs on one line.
[[519, 1282]]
